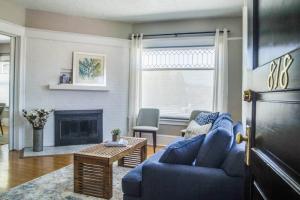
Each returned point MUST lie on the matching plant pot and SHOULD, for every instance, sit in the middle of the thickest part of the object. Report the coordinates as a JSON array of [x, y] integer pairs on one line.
[[38, 135], [115, 138]]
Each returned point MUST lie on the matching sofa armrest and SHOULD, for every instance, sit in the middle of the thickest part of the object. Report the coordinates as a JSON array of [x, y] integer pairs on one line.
[[163, 181]]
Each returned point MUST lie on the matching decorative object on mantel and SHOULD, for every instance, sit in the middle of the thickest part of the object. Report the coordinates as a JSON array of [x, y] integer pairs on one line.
[[65, 76], [37, 118], [119, 143], [89, 69], [116, 134]]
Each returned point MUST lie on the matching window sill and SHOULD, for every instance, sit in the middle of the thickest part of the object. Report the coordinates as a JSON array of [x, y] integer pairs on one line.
[[174, 122]]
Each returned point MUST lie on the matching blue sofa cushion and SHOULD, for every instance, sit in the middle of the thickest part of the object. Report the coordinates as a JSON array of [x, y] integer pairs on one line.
[[206, 117], [183, 152], [132, 181], [215, 148], [224, 120], [234, 162], [238, 128]]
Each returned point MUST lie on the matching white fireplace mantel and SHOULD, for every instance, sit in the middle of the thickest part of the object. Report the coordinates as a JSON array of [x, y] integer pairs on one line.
[[78, 87]]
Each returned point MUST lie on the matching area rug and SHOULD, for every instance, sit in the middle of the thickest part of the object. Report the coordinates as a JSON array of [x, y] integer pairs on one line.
[[59, 185]]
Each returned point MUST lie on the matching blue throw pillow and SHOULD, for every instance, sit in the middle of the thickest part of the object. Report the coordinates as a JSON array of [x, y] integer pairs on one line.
[[223, 121], [183, 152], [215, 148], [206, 117]]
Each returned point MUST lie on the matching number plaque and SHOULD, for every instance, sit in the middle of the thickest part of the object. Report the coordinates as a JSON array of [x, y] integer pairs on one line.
[[278, 75]]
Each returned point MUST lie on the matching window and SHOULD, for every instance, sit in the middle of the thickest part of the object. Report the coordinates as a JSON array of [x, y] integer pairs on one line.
[[178, 80], [4, 67]]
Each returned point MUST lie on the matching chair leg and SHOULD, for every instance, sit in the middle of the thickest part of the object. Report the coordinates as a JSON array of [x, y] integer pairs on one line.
[[140, 133], [154, 140], [133, 134], [1, 127]]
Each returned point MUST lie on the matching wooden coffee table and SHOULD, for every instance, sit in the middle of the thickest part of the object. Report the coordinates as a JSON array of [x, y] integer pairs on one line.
[[93, 166]]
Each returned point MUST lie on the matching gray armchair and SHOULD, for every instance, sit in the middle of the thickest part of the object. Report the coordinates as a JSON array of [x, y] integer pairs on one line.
[[147, 122], [2, 107], [193, 116]]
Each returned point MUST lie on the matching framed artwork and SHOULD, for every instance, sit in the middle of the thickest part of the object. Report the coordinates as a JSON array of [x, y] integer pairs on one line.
[[89, 69]]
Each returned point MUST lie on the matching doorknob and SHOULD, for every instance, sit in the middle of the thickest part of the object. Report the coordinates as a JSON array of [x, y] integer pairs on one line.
[[248, 95], [241, 138]]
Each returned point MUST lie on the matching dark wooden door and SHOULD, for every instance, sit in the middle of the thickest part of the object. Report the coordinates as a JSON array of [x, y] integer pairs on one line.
[[273, 110]]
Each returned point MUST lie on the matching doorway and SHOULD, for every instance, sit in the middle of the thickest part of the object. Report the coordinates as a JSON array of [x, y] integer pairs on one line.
[[6, 89]]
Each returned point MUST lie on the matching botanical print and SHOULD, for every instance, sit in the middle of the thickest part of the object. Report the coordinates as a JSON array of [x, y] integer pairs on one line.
[[89, 68]]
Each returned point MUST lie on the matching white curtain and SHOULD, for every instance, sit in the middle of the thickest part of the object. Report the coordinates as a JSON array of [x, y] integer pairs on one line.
[[221, 76], [135, 79]]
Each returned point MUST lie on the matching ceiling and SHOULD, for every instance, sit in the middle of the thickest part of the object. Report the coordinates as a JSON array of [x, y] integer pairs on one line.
[[4, 39], [139, 10]]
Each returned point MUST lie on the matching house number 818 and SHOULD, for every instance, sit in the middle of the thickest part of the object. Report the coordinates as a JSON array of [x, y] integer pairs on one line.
[[279, 76]]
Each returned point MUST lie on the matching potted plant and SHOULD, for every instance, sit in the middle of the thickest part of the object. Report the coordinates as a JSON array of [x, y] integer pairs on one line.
[[37, 118], [116, 134]]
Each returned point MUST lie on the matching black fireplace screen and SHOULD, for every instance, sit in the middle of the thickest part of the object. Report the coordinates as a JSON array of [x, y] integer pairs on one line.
[[78, 127]]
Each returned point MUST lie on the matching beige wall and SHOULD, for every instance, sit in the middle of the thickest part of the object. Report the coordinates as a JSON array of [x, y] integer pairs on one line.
[[11, 12], [67, 23]]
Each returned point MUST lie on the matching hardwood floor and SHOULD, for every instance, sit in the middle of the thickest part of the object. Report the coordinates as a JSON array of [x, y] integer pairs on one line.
[[15, 171]]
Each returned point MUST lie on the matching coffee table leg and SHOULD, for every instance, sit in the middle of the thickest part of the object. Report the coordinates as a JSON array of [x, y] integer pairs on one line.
[[108, 182], [132, 160], [92, 177], [121, 162], [143, 153]]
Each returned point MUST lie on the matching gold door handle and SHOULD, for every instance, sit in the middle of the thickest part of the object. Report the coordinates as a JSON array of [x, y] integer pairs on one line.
[[241, 138], [248, 95]]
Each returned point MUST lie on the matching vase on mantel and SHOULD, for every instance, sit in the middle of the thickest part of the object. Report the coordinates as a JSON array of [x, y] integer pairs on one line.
[[38, 136]]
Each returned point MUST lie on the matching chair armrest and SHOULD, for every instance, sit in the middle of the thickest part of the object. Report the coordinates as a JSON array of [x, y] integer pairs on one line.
[[163, 181]]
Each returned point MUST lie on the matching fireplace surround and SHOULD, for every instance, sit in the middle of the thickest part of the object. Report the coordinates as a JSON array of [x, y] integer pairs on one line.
[[78, 127]]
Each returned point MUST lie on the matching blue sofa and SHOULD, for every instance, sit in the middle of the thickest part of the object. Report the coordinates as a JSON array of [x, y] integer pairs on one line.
[[154, 180]]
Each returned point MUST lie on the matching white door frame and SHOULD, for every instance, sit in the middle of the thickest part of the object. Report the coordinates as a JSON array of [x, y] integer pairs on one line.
[[18, 87]]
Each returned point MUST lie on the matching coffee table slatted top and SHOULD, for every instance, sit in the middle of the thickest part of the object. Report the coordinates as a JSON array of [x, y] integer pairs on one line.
[[113, 153]]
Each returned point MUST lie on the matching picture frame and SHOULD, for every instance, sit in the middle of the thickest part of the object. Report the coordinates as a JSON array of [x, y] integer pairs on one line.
[[89, 69], [65, 78]]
